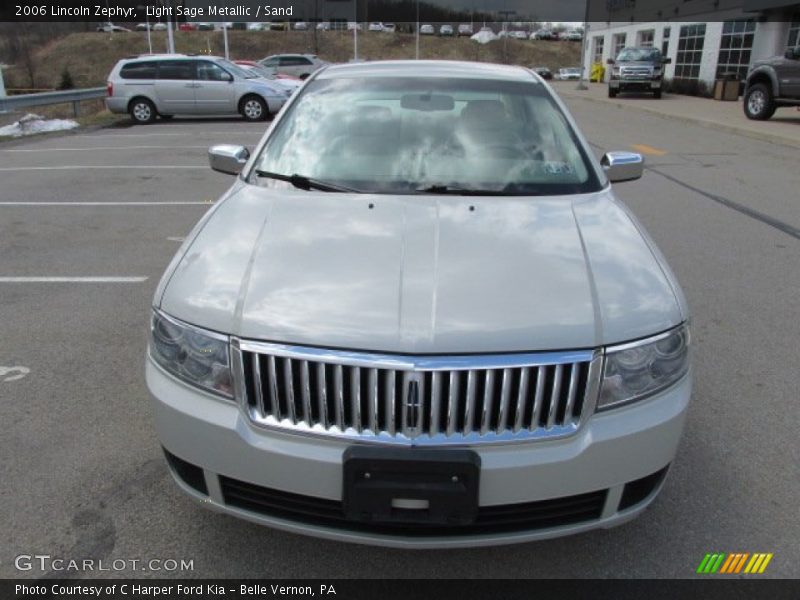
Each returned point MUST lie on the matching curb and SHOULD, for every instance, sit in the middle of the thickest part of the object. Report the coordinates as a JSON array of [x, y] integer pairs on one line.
[[792, 142]]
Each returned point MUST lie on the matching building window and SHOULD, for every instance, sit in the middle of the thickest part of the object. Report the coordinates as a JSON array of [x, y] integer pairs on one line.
[[794, 33], [665, 42], [619, 43], [734, 48], [597, 54], [690, 51], [646, 38]]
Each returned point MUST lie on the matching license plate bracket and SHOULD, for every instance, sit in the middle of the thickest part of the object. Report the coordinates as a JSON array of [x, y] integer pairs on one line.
[[411, 485]]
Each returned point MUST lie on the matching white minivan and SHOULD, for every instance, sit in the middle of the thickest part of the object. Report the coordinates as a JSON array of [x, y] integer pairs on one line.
[[152, 86]]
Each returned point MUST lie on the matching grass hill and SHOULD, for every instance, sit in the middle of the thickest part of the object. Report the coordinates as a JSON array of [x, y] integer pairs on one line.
[[88, 57]]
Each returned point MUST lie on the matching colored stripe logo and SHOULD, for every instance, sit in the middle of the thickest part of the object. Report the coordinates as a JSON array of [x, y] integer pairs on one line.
[[733, 563]]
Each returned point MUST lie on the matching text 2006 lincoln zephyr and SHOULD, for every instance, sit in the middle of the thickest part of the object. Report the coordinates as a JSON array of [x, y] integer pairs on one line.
[[420, 318]]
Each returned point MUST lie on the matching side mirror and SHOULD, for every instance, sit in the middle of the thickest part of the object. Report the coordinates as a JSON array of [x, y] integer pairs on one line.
[[622, 166], [666, 60], [227, 158], [610, 61]]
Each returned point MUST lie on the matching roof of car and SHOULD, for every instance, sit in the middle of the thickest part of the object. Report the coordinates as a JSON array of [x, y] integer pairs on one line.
[[170, 57], [427, 68]]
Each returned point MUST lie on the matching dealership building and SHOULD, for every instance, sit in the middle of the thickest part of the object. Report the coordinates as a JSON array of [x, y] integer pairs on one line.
[[706, 39]]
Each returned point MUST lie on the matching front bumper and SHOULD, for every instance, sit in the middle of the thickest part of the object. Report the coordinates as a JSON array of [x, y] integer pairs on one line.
[[635, 84], [629, 445]]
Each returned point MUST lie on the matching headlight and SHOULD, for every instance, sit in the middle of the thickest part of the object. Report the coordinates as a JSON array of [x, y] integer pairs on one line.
[[634, 371], [198, 357], [615, 71]]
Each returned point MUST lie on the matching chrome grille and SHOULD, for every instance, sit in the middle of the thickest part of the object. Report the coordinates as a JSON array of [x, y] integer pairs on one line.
[[636, 72], [410, 399]]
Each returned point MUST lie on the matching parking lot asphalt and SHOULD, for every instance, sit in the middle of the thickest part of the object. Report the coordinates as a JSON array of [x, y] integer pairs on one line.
[[83, 475]]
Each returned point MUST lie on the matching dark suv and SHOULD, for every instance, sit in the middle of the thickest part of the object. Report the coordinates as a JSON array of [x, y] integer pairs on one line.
[[771, 83], [637, 69]]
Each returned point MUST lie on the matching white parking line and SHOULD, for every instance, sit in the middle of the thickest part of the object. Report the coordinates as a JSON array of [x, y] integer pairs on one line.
[[72, 279], [104, 149], [115, 167], [146, 203]]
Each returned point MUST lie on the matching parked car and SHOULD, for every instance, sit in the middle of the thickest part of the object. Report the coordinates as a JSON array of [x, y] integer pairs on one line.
[[453, 337], [574, 36], [542, 34], [188, 26], [389, 28], [301, 26], [543, 72], [519, 35], [299, 65], [567, 73], [772, 83], [323, 26], [352, 25], [375, 26], [151, 86], [205, 27], [446, 31], [111, 28], [159, 26], [427, 29], [260, 26], [465, 29], [142, 27], [278, 26], [639, 69]]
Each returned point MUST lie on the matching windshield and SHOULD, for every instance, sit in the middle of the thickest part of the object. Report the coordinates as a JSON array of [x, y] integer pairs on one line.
[[416, 135], [234, 69], [259, 71], [639, 54]]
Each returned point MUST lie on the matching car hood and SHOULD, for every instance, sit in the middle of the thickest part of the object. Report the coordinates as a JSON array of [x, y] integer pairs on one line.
[[422, 274]]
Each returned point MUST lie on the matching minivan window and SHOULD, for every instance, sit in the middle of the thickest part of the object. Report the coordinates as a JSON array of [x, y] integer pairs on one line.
[[176, 69], [405, 135], [233, 68], [208, 71], [139, 70]]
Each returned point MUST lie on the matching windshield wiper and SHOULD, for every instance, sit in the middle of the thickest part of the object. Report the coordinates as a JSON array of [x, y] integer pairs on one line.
[[307, 183], [457, 191]]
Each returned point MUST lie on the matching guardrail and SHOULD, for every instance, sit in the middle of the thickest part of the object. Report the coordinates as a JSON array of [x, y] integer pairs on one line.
[[47, 98]]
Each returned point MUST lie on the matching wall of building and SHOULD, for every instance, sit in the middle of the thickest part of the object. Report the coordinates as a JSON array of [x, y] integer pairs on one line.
[[770, 38]]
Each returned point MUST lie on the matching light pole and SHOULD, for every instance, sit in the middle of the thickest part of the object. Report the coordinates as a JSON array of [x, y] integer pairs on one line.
[[225, 39], [147, 24], [417, 32], [582, 83], [170, 36]]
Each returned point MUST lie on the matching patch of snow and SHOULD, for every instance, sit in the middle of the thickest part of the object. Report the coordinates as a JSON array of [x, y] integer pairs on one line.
[[33, 123]]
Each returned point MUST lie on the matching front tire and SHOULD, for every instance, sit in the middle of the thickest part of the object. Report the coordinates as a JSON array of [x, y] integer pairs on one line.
[[612, 93], [759, 104], [657, 94], [142, 111], [253, 108]]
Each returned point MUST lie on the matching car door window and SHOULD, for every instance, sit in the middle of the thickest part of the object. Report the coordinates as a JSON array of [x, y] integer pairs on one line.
[[208, 71], [176, 69], [140, 70]]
